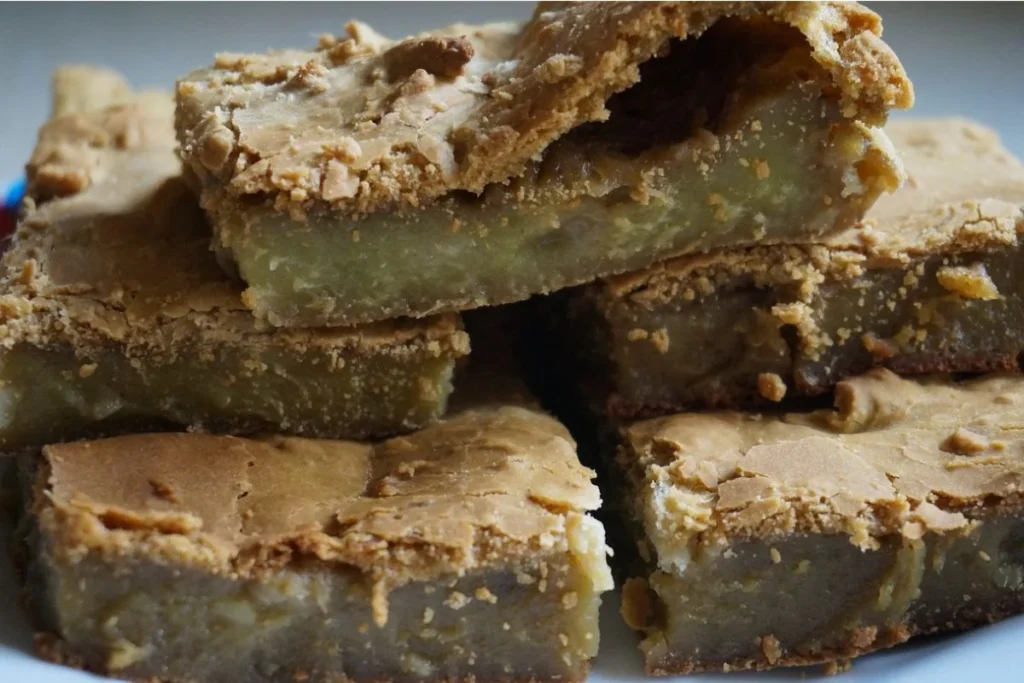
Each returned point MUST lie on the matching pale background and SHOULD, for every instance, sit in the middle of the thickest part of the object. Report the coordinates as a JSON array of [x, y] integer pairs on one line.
[[964, 58]]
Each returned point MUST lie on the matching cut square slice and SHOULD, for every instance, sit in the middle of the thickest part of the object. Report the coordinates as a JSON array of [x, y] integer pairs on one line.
[[460, 552], [469, 166], [932, 281], [115, 315], [778, 540]]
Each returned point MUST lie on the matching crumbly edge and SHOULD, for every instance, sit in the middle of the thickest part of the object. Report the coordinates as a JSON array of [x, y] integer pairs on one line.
[[877, 519], [799, 389], [573, 66], [75, 530], [86, 325], [799, 272], [970, 227]]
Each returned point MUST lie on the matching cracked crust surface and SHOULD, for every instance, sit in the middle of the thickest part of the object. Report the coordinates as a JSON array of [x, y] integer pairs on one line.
[[476, 490], [895, 456], [112, 248], [367, 124]]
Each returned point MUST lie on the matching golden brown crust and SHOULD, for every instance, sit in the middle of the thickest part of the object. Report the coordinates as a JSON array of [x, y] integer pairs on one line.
[[113, 249], [895, 456], [478, 489], [483, 102]]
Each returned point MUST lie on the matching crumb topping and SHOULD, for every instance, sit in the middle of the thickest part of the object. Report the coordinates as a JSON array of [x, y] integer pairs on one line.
[[771, 386], [483, 488], [464, 107], [894, 456], [970, 282]]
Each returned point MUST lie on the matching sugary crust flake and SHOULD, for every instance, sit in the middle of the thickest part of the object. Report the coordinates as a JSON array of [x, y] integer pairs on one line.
[[895, 456], [483, 488], [464, 107]]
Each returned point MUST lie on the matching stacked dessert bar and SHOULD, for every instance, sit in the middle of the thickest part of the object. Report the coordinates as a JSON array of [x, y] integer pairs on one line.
[[232, 321], [792, 536], [385, 548]]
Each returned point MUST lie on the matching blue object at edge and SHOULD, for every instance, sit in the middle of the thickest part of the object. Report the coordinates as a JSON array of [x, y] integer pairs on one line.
[[14, 193]]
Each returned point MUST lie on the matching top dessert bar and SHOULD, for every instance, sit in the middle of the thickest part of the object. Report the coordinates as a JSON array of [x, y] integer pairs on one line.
[[930, 282], [114, 313], [372, 178]]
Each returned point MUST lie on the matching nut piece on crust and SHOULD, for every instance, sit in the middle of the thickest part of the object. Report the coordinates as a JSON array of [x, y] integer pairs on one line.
[[442, 57]]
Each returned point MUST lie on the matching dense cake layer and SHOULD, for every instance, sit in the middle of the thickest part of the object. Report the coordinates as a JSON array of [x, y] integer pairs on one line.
[[459, 552], [371, 178], [929, 282], [773, 540], [114, 312]]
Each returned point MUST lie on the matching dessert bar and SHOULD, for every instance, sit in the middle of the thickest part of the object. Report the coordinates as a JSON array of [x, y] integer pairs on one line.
[[114, 313], [460, 552], [930, 282], [371, 178], [815, 537]]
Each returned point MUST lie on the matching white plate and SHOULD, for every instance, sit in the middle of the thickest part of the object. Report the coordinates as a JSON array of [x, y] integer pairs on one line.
[[987, 654]]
